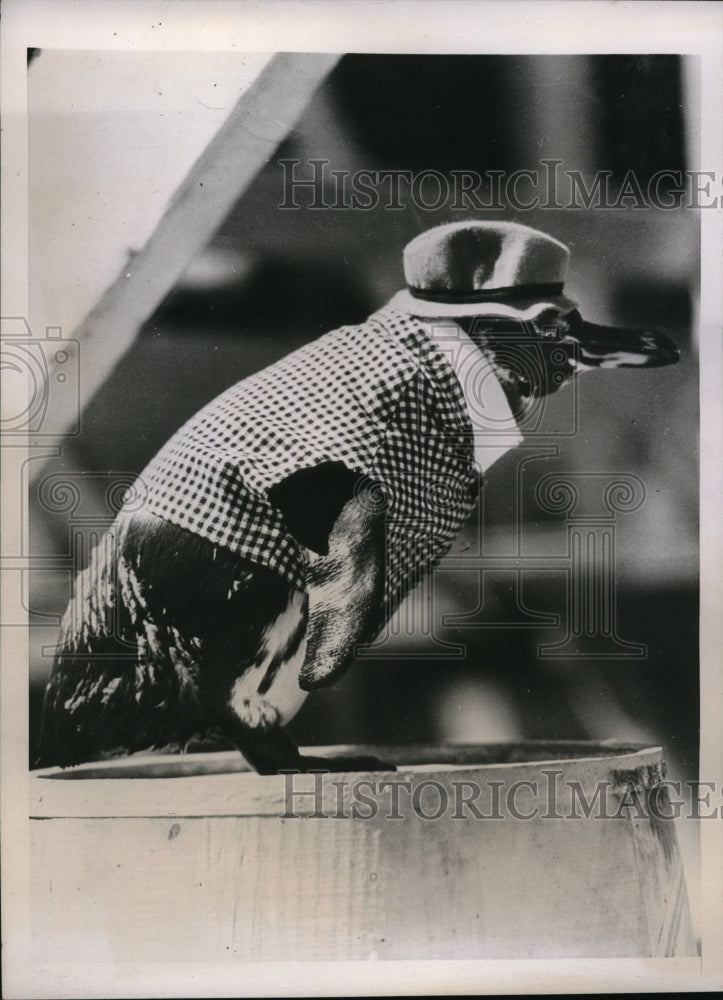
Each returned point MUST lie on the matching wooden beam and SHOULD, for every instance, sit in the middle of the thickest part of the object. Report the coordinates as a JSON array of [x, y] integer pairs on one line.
[[261, 119]]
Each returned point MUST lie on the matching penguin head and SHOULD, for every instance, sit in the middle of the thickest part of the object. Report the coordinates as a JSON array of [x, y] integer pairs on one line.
[[503, 282], [535, 357]]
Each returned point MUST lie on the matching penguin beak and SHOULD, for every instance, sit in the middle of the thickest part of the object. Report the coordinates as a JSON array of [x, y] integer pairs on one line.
[[615, 347]]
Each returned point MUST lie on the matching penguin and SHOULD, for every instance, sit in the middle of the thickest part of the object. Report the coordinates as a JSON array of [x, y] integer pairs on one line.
[[281, 526]]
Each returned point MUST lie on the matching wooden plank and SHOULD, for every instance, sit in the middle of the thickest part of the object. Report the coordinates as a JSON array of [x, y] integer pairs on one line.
[[261, 119], [112, 135], [221, 784]]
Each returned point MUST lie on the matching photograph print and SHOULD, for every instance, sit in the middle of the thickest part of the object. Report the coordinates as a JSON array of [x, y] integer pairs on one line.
[[361, 469]]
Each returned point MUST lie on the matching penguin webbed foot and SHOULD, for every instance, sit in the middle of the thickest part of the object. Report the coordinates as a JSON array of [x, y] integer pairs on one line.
[[272, 751], [339, 765]]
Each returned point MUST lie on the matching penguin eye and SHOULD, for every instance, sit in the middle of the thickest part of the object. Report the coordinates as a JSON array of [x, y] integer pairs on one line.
[[549, 325]]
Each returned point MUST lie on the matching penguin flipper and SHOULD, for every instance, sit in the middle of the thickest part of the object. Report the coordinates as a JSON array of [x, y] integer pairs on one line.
[[346, 593]]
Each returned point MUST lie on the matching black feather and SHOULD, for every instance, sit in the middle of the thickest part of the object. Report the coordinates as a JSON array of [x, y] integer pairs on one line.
[[161, 624]]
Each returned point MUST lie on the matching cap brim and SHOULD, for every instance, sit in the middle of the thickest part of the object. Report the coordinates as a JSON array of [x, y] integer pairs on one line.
[[404, 301]]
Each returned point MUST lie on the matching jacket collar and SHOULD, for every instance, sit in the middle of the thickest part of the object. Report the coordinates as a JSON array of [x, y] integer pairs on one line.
[[494, 425]]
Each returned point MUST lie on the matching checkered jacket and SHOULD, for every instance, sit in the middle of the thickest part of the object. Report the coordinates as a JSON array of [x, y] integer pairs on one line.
[[380, 397]]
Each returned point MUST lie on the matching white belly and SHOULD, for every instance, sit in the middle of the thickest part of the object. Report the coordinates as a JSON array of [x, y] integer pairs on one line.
[[283, 699]]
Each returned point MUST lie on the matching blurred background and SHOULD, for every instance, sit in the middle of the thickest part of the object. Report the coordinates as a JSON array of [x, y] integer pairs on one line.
[[272, 279]]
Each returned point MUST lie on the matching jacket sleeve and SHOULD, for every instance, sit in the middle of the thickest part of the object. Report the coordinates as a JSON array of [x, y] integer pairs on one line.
[[311, 499]]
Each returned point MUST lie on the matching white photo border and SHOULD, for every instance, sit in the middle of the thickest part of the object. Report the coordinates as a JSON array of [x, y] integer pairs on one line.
[[445, 26]]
